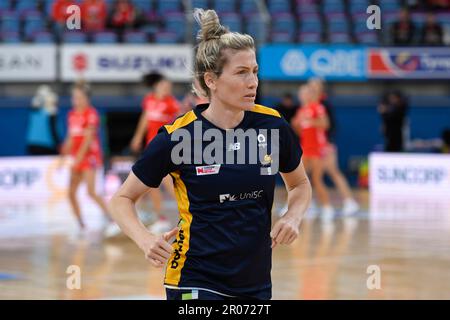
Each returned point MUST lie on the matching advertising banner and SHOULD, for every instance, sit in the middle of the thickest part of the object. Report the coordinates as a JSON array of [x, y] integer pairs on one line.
[[409, 63], [411, 174], [300, 62], [27, 63], [125, 63]]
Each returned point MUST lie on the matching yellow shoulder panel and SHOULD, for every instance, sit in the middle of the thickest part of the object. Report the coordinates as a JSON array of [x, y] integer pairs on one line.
[[181, 122], [266, 110]]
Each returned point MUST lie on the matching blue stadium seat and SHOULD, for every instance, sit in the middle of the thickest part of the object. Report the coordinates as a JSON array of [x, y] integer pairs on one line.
[[74, 37], [10, 37], [310, 37], [256, 27], [337, 17], [279, 6], [233, 21], [105, 37], [200, 4], [358, 6], [248, 7], [333, 6], [43, 37], [306, 8], [167, 6], [283, 23], [23, 6], [338, 26], [5, 5], [10, 22], [47, 7], [311, 26], [33, 23], [390, 5], [166, 37], [225, 6], [195, 29], [282, 37], [339, 38], [176, 23], [367, 38], [135, 37], [144, 5]]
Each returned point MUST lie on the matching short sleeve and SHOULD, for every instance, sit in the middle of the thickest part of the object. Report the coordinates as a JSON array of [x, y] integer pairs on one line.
[[290, 150], [92, 119], [155, 162], [144, 103], [320, 110]]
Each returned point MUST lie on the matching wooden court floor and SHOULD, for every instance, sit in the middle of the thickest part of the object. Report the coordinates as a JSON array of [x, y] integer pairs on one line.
[[407, 239]]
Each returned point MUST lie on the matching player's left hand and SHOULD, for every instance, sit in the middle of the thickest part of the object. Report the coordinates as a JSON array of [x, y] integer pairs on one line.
[[285, 230]]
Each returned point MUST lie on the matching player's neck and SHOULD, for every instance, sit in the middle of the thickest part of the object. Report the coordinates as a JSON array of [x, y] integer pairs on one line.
[[223, 117], [158, 96]]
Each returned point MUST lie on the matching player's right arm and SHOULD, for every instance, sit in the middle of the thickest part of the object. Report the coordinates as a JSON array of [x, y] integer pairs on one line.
[[136, 142], [156, 249]]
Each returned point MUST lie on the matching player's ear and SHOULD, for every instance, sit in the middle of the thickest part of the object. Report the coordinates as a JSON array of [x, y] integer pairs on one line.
[[210, 80]]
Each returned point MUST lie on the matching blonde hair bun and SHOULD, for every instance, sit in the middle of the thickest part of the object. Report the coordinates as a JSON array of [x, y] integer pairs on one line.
[[210, 27]]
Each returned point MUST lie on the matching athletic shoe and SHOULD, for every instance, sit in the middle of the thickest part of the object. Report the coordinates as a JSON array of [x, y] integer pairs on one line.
[[327, 213], [350, 207]]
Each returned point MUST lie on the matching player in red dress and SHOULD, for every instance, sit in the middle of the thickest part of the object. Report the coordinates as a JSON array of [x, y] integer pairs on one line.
[[311, 123], [331, 167], [83, 147], [159, 108]]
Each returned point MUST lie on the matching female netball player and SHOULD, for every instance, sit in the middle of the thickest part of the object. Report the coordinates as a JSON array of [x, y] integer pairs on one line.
[[311, 122], [82, 144], [224, 239], [159, 108], [330, 164]]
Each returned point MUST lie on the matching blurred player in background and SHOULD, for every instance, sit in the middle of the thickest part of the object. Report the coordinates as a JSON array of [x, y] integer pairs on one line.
[[83, 146], [159, 108], [393, 110], [287, 107], [310, 123], [42, 135], [330, 163]]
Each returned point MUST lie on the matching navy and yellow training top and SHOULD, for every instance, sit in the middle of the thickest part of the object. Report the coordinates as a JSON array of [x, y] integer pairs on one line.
[[224, 243]]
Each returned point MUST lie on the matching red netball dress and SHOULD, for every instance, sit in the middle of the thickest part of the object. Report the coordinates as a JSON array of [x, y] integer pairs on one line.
[[79, 122]]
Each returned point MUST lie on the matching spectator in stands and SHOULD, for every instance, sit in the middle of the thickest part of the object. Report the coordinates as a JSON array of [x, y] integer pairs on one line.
[[42, 136], [432, 34], [59, 15], [59, 11], [93, 15], [122, 16], [402, 32], [439, 4], [287, 107], [393, 110]]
